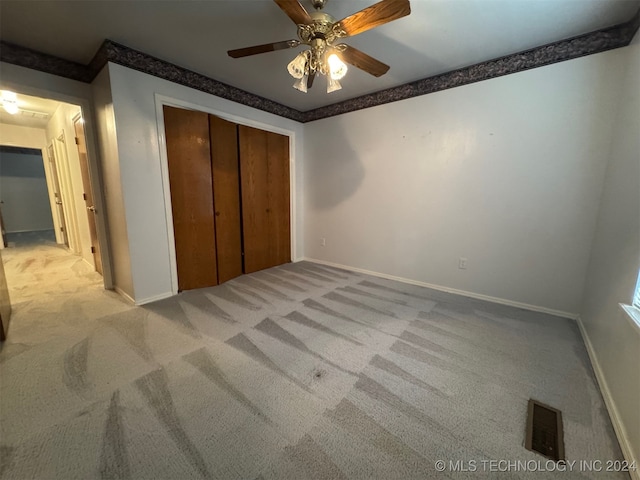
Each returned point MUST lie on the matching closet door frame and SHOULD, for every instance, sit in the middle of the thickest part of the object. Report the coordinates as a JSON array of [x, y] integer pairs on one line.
[[161, 101]]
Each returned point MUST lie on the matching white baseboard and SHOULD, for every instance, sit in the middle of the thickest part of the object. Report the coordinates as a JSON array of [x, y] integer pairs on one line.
[[501, 301], [155, 298], [88, 263], [143, 301], [124, 294], [618, 426]]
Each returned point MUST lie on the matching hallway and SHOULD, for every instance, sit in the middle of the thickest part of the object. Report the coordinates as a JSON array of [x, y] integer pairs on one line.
[[52, 291]]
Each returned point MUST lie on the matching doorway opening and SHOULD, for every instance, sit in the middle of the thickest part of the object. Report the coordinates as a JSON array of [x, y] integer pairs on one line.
[[44, 178]]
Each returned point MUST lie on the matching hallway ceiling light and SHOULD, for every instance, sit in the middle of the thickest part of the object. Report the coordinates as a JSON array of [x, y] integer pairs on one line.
[[10, 102], [33, 113]]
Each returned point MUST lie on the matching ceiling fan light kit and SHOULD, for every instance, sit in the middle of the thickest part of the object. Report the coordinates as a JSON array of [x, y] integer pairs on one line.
[[319, 31]]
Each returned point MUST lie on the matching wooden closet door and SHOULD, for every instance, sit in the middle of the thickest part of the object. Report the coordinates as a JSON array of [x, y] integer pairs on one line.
[[226, 195], [188, 152], [264, 173], [278, 217]]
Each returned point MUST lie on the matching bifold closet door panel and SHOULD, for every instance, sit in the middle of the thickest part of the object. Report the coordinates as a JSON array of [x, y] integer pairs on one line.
[[253, 175], [264, 164], [226, 195], [190, 181], [278, 198]]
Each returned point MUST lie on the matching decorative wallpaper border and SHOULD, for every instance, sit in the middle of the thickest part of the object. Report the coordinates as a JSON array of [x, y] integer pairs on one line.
[[116, 53], [26, 57], [588, 44]]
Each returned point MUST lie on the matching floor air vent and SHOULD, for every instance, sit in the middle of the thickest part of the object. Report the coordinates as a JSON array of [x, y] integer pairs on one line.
[[544, 431]]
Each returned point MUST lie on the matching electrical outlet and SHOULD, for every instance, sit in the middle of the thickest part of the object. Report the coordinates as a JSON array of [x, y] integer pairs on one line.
[[323, 242], [462, 263]]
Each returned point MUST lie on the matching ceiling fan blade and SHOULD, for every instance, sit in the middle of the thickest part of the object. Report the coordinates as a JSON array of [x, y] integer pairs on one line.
[[295, 11], [267, 47], [374, 16], [310, 78], [361, 60]]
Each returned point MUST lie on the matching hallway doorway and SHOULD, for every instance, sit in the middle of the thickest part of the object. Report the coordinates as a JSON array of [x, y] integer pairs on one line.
[[47, 208], [52, 192]]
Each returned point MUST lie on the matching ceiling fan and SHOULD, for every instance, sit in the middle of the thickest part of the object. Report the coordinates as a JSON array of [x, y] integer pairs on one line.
[[321, 32]]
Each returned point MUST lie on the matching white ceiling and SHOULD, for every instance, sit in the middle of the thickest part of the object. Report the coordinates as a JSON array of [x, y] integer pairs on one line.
[[28, 106], [438, 36]]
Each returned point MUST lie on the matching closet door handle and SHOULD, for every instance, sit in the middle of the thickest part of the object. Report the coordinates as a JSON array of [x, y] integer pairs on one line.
[[217, 214]]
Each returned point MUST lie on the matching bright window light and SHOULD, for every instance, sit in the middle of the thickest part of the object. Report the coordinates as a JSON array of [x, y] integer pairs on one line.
[[636, 294]]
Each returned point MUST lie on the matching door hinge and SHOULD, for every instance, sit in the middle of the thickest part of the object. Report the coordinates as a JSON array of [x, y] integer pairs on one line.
[[77, 140], [62, 229], [93, 249], [84, 196]]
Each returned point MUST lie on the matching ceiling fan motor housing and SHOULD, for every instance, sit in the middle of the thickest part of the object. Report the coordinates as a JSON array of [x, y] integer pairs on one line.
[[319, 34], [323, 26], [318, 4]]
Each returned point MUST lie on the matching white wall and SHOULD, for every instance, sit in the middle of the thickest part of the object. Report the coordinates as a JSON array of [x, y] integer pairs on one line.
[[112, 184], [135, 108], [614, 340], [61, 126], [23, 191], [506, 173], [17, 136]]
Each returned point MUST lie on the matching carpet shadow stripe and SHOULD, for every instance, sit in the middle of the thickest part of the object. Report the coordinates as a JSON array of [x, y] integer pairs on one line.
[[250, 293], [302, 319], [297, 278], [478, 322], [390, 367], [411, 352], [263, 287], [323, 271], [308, 456], [423, 325], [283, 283], [357, 291], [7, 455], [348, 416], [208, 305], [377, 392], [204, 362], [242, 343], [75, 367], [318, 307], [133, 331], [114, 459], [171, 310], [299, 270], [155, 389], [336, 297], [420, 355], [367, 283], [225, 293], [275, 331], [429, 345]]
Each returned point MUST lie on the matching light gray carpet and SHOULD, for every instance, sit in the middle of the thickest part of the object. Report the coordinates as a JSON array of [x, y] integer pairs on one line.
[[297, 372], [36, 237]]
